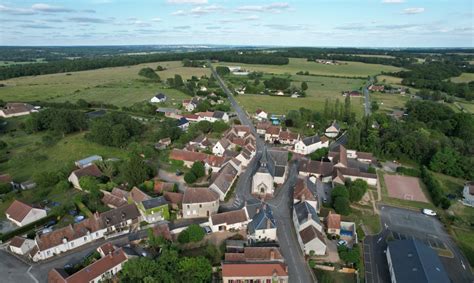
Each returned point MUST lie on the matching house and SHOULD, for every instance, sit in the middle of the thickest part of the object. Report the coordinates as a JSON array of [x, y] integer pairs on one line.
[[338, 156], [136, 195], [106, 249], [221, 146], [468, 194], [20, 245], [413, 261], [88, 161], [304, 215], [287, 137], [379, 88], [159, 187], [163, 143], [175, 199], [333, 130], [102, 270], [254, 272], [199, 202], [312, 241], [273, 169], [67, 238], [191, 104], [262, 127], [261, 115], [310, 144], [183, 123], [188, 157], [159, 98], [272, 133], [263, 225], [344, 229], [112, 200], [305, 191], [169, 112], [351, 93], [231, 220], [119, 221], [16, 109], [341, 174], [398, 114], [213, 116], [224, 180], [255, 254], [201, 142], [333, 223], [154, 209], [318, 169], [22, 214], [76, 175], [192, 118]]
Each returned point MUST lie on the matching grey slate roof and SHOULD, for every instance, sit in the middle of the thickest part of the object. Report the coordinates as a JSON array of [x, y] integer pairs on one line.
[[273, 162], [302, 210], [262, 220], [311, 140], [218, 114], [89, 160], [182, 121], [160, 96], [413, 261], [154, 202]]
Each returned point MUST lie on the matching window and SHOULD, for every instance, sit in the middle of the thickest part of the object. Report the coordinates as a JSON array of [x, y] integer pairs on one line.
[[200, 206], [85, 239]]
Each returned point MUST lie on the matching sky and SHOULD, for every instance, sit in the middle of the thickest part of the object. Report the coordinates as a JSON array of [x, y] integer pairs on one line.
[[348, 23]]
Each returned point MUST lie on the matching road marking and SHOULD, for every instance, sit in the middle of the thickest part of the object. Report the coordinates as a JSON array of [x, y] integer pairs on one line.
[[463, 266], [31, 275]]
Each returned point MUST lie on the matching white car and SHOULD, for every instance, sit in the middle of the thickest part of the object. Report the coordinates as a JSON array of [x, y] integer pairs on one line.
[[428, 212], [341, 243]]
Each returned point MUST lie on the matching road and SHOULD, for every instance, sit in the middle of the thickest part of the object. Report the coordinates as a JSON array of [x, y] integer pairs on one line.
[[408, 224], [281, 204], [365, 91]]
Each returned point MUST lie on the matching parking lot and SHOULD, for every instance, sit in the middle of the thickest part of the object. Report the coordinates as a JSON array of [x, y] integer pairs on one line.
[[400, 224]]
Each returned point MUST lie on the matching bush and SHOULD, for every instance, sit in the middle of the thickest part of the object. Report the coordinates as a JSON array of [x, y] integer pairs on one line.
[[434, 188], [190, 178], [342, 205], [194, 233], [408, 171], [198, 169]]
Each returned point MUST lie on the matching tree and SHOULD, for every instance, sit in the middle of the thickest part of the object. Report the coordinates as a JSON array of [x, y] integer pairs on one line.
[[3, 145], [190, 178], [194, 233], [222, 70], [293, 119], [339, 191], [194, 269], [347, 108], [319, 153], [357, 190], [349, 255], [304, 86], [138, 269], [198, 169], [89, 183], [342, 205], [277, 83], [149, 74], [160, 68], [178, 80], [374, 106], [136, 171]]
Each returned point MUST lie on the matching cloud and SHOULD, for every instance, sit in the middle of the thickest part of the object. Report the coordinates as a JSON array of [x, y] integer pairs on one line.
[[37, 26], [88, 11], [178, 13], [412, 11], [213, 27], [87, 20], [53, 20], [156, 19], [201, 10], [393, 1], [45, 8], [16, 11], [276, 7], [194, 2], [252, 18], [285, 27], [181, 27]]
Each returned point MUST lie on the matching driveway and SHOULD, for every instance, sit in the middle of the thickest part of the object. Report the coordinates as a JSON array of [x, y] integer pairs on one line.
[[408, 224], [172, 178]]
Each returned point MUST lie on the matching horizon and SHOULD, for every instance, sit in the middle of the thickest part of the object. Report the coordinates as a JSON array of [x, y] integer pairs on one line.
[[377, 24]]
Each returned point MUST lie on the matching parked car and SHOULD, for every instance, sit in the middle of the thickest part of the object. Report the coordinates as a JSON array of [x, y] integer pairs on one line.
[[341, 243], [428, 212], [179, 173], [50, 224]]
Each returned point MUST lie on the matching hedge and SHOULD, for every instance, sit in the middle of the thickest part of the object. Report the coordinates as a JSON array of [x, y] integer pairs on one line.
[[27, 228], [434, 188]]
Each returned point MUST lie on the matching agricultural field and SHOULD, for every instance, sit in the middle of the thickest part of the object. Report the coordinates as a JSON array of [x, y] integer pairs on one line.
[[120, 86], [8, 63], [463, 78], [30, 155], [389, 102], [319, 88], [346, 69], [384, 79]]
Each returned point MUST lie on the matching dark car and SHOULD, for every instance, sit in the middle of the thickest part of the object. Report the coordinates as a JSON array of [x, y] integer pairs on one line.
[[179, 173]]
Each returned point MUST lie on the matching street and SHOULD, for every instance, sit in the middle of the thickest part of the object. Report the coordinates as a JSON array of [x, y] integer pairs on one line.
[[365, 92], [281, 204]]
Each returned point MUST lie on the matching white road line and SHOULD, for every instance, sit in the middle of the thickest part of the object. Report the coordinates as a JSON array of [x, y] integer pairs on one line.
[[31, 275]]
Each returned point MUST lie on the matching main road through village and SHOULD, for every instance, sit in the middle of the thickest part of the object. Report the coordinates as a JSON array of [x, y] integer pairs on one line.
[[281, 204]]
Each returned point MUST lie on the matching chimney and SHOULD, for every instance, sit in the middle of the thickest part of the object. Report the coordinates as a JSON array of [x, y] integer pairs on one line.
[[257, 210], [303, 197], [309, 216], [272, 254]]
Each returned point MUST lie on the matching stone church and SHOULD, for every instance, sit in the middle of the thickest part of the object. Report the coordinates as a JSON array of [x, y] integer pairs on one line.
[[272, 170]]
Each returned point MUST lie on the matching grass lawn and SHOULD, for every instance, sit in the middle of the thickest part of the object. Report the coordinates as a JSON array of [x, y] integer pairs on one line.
[[29, 155], [119, 85], [388, 102], [334, 277], [465, 240], [450, 185], [389, 79], [349, 69], [370, 220], [319, 88], [463, 78]]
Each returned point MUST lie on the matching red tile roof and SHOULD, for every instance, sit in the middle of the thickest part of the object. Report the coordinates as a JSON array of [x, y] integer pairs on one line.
[[17, 241], [106, 248], [179, 154], [334, 221], [230, 217], [138, 196], [302, 190], [112, 200], [273, 130], [91, 170], [160, 187], [253, 269], [310, 233], [287, 135], [174, 198], [18, 210]]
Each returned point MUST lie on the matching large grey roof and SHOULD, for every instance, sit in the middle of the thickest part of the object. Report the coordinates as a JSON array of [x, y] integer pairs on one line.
[[413, 261], [311, 140], [302, 209], [154, 202], [262, 220]]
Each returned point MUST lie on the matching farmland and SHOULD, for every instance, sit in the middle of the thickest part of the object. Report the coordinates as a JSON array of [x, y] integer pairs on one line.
[[463, 78], [346, 69], [120, 86], [319, 88], [389, 102]]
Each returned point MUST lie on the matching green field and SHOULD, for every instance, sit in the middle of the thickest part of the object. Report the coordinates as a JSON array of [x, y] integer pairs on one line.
[[319, 88], [9, 63], [29, 155], [463, 78], [389, 79], [389, 102], [347, 69], [120, 85]]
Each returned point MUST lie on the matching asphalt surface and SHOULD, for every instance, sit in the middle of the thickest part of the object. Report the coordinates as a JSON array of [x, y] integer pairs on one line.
[[365, 91], [282, 203], [409, 224]]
